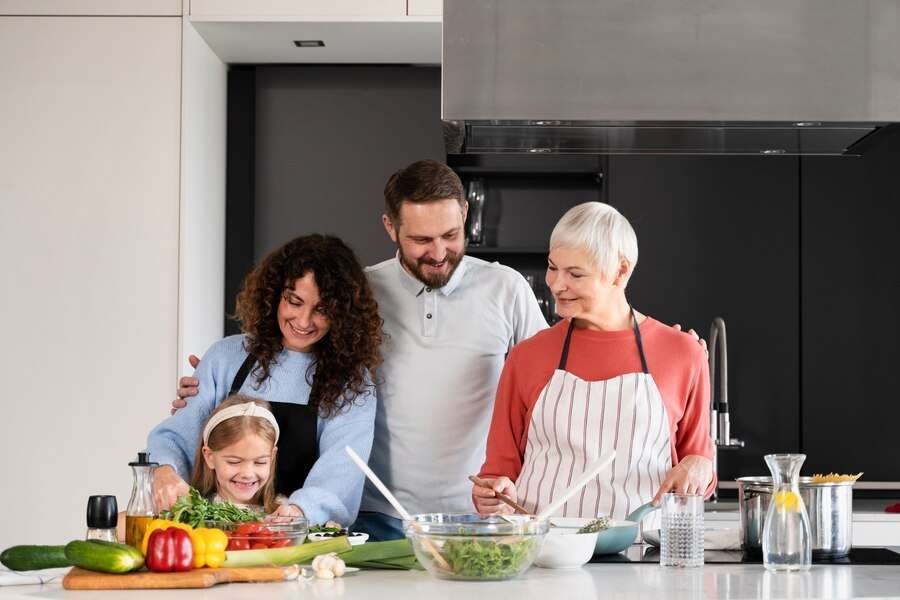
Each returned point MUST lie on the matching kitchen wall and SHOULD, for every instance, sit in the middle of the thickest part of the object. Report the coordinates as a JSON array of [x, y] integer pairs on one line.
[[90, 114]]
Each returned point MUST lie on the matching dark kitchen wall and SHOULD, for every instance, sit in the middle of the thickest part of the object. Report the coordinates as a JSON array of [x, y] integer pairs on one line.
[[310, 149], [328, 137], [850, 323]]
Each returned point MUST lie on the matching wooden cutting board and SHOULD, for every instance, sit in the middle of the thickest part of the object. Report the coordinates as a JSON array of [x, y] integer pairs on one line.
[[81, 579]]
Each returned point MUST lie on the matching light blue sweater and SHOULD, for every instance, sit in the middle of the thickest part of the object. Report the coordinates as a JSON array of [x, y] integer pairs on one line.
[[333, 488]]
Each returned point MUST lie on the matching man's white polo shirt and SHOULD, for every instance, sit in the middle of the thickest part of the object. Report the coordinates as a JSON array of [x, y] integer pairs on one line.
[[443, 352]]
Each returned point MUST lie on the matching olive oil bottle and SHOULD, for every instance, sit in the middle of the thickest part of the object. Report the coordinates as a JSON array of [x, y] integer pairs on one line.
[[141, 507]]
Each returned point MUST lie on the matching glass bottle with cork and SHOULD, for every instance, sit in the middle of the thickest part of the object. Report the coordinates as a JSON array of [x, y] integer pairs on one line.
[[141, 507]]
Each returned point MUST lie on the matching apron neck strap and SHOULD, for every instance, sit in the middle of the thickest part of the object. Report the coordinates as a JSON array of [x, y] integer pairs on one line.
[[242, 374], [640, 343], [564, 357]]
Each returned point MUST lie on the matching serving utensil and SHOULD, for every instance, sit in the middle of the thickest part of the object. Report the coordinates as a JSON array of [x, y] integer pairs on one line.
[[499, 495], [438, 557]]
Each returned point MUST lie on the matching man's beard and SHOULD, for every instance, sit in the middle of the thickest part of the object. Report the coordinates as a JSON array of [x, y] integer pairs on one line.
[[432, 280]]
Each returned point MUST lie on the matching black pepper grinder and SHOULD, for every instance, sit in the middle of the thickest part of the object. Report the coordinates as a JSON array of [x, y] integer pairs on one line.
[[102, 517]]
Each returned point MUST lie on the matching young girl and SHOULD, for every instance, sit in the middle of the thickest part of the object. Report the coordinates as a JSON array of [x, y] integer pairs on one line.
[[237, 452]]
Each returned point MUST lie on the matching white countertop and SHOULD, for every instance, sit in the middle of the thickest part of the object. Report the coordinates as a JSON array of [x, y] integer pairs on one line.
[[596, 581]]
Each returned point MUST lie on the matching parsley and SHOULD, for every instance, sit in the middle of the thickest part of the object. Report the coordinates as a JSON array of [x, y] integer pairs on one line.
[[195, 510]]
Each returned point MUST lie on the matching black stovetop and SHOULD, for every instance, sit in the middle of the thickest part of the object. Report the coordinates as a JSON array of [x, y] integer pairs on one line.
[[861, 555]]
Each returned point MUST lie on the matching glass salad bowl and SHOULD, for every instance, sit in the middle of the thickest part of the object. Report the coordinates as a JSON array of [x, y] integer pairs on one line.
[[475, 547], [259, 535]]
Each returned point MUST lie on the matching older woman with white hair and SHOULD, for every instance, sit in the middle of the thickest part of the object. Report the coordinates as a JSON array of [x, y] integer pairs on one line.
[[606, 378]]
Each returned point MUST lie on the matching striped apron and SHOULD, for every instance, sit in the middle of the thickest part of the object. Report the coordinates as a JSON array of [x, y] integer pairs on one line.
[[574, 422]]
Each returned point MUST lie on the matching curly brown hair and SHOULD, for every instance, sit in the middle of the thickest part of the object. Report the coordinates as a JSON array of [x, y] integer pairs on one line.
[[347, 357]]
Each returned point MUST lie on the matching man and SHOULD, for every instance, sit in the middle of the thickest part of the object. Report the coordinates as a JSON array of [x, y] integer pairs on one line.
[[449, 321]]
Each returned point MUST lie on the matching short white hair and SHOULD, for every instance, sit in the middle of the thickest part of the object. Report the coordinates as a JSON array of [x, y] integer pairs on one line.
[[601, 231]]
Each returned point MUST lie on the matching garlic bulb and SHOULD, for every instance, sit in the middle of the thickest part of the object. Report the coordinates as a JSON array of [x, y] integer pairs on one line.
[[328, 566]]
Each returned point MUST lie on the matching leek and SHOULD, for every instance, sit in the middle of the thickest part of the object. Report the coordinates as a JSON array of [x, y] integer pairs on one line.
[[377, 551], [290, 555]]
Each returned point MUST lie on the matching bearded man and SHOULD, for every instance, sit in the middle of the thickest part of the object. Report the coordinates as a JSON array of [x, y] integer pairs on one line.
[[449, 320]]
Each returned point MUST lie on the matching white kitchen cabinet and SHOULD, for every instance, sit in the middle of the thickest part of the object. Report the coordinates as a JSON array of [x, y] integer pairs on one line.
[[90, 111], [298, 8], [91, 7], [870, 527], [425, 8]]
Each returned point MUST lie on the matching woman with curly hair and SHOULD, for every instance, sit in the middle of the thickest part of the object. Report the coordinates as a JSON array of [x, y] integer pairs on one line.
[[309, 347]]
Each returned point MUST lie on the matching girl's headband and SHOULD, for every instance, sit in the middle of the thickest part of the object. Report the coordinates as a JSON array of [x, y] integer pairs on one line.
[[246, 409]]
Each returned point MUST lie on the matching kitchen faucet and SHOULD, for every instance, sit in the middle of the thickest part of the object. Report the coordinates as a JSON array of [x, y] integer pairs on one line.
[[719, 412]]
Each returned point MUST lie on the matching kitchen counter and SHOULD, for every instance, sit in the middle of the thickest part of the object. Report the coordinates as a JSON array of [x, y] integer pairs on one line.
[[590, 582]]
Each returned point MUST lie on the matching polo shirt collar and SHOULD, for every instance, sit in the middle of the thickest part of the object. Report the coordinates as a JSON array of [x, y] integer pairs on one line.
[[415, 287]]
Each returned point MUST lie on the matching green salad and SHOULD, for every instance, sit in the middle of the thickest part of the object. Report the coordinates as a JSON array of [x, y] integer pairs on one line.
[[488, 559]]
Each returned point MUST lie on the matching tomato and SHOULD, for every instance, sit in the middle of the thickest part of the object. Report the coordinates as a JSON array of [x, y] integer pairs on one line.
[[279, 543], [248, 529], [259, 546], [236, 543]]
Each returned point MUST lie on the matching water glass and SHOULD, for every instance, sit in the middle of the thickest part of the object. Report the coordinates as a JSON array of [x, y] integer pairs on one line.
[[681, 536]]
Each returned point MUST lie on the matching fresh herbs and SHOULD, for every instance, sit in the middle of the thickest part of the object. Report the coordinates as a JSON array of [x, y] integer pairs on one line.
[[488, 559], [195, 510], [598, 524], [326, 529]]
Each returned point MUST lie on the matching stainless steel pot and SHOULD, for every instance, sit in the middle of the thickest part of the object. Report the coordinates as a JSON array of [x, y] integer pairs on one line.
[[830, 508]]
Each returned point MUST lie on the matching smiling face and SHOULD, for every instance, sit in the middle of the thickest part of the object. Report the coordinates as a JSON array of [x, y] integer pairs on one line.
[[241, 468], [579, 286], [429, 238], [300, 317]]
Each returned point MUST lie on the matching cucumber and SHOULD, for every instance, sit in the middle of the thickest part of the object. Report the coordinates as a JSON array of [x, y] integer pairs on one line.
[[106, 557], [30, 558]]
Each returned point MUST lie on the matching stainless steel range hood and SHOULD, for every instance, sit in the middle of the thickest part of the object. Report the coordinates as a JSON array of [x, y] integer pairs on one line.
[[796, 77]]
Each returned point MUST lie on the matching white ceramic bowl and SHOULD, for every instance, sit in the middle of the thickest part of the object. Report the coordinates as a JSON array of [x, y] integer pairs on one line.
[[355, 538], [566, 549]]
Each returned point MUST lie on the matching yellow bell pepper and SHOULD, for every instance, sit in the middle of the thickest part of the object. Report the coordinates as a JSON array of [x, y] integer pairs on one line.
[[209, 547], [160, 524]]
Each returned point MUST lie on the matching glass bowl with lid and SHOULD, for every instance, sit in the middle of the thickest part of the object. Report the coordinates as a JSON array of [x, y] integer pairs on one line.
[[476, 547]]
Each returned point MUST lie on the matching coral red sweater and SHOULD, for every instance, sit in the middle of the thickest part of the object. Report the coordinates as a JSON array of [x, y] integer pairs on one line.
[[676, 361]]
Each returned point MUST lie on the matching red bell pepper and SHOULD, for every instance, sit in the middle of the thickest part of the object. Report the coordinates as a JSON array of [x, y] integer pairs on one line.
[[169, 550]]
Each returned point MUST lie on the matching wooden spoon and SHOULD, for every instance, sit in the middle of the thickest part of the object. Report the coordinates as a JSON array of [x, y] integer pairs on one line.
[[499, 495]]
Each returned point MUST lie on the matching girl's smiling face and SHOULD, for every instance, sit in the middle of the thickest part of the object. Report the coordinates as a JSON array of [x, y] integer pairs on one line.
[[242, 468]]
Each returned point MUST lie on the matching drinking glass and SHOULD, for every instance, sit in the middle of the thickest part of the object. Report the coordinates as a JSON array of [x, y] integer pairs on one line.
[[681, 536]]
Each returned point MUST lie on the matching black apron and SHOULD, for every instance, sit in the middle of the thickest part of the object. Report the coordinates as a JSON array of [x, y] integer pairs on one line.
[[298, 442]]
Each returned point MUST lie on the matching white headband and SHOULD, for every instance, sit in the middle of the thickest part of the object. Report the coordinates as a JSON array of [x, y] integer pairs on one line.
[[246, 409]]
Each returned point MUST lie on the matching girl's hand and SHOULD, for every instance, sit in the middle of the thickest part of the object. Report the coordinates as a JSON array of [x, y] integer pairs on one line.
[[690, 476], [167, 487], [285, 510], [486, 502]]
